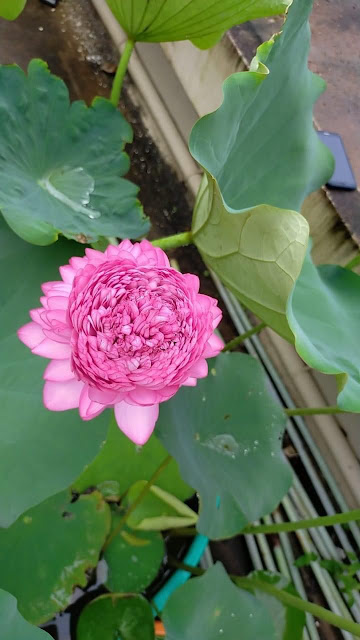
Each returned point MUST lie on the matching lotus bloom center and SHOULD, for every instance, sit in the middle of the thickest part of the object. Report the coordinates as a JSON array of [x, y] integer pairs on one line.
[[128, 329]]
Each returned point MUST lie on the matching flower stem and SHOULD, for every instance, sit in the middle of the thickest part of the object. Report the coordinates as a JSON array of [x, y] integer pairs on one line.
[[250, 584], [244, 336], [313, 411], [353, 263], [173, 242], [137, 501], [322, 521], [120, 72]]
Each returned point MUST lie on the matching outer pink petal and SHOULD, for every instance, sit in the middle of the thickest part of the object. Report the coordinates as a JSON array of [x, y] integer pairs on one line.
[[190, 382], [143, 396], [87, 408], [57, 302], [31, 334], [104, 396], [36, 316], [213, 347], [59, 371], [217, 315], [56, 288], [67, 273], [126, 245], [192, 282], [94, 256], [60, 396], [54, 350], [136, 422], [151, 255], [199, 369]]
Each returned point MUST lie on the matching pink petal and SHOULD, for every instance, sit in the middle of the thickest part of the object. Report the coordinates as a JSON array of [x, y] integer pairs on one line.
[[54, 350], [190, 382], [60, 396], [31, 334], [67, 273], [87, 408], [213, 347], [104, 396], [217, 315], [58, 302], [199, 369], [36, 316], [136, 422], [78, 263], [59, 371], [143, 396], [192, 282], [94, 256], [56, 288], [125, 245]]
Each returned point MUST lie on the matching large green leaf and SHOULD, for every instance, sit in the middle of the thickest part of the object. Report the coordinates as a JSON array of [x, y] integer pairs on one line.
[[11, 9], [260, 145], [47, 552], [116, 616], [288, 622], [226, 436], [60, 163], [133, 558], [12, 624], [158, 510], [324, 315], [212, 607], [257, 254], [125, 462], [41, 452], [158, 21]]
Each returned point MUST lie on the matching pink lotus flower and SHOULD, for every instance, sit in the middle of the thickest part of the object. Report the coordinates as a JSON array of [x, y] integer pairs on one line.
[[122, 329]]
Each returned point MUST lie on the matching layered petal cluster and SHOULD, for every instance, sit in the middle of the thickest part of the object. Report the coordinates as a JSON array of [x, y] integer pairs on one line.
[[122, 329]]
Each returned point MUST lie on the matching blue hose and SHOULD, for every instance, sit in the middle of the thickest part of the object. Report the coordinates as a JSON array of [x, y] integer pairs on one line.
[[180, 576]]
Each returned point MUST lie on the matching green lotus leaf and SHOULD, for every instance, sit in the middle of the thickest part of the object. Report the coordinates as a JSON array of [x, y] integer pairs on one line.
[[114, 616], [61, 164], [212, 607], [11, 9], [49, 549], [133, 558], [257, 254], [260, 145], [124, 462], [158, 21], [226, 435], [12, 624], [324, 316]]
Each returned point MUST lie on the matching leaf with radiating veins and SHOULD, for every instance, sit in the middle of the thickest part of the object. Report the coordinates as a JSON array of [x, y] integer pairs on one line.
[[154, 21]]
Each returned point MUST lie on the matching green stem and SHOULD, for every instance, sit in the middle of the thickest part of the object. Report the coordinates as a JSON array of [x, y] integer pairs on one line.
[[323, 521], [302, 605], [353, 263], [313, 411], [173, 242], [137, 501], [120, 73], [244, 336], [286, 598]]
